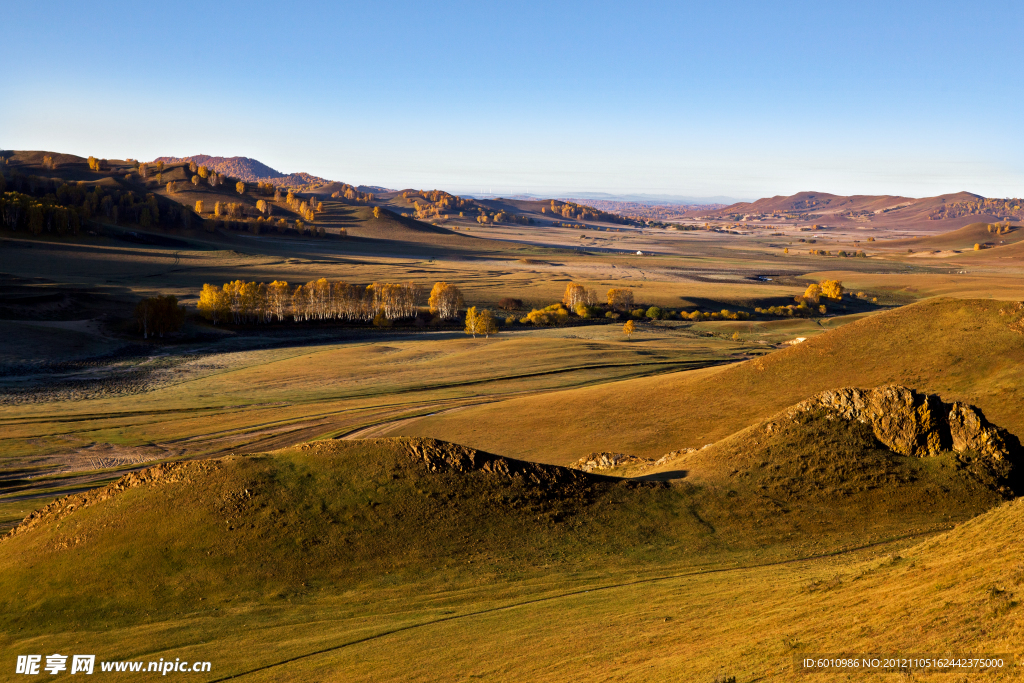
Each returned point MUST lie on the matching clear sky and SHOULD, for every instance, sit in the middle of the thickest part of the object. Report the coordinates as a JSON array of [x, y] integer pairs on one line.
[[743, 99]]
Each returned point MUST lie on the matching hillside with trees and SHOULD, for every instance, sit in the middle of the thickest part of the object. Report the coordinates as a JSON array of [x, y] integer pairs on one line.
[[48, 194], [248, 170]]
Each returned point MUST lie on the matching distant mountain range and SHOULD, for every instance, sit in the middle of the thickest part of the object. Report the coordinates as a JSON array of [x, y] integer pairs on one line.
[[249, 170], [590, 197], [944, 212], [657, 198]]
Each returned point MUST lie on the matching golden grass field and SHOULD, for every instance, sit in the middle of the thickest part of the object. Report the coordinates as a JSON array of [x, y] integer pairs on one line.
[[345, 560]]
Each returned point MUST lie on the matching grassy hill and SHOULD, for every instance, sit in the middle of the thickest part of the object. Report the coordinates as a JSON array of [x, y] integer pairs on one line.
[[815, 201], [966, 350], [356, 538], [249, 170], [322, 517], [954, 593], [70, 182]]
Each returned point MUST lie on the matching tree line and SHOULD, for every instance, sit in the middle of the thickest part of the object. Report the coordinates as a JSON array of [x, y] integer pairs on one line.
[[351, 194], [242, 302], [581, 212], [44, 205], [812, 301]]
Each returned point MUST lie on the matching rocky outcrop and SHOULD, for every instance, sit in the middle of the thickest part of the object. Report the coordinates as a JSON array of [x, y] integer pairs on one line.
[[916, 424], [441, 456], [607, 461], [164, 473], [970, 431]]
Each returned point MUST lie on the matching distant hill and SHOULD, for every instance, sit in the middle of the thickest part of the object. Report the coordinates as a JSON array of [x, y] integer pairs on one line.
[[249, 170], [942, 212], [818, 201], [644, 210], [641, 198], [963, 239]]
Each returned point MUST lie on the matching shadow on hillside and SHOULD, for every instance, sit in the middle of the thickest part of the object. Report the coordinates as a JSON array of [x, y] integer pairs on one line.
[[663, 476], [847, 306]]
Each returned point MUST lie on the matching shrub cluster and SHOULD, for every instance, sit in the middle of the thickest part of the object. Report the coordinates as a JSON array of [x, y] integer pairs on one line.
[[555, 314], [724, 314]]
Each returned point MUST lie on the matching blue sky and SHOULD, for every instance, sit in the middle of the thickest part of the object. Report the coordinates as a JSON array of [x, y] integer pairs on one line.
[[741, 99]]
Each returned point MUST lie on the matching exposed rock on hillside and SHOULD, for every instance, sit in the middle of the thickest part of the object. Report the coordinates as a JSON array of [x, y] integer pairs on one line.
[[607, 461], [916, 424], [442, 456], [847, 440], [164, 473]]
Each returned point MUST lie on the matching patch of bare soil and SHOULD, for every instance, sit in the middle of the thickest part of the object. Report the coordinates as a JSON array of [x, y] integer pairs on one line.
[[94, 457], [78, 381]]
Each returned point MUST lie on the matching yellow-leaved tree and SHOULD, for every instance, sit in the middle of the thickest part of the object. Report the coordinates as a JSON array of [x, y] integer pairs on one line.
[[578, 295], [486, 323], [471, 321], [628, 329], [278, 297], [445, 300], [832, 289], [620, 298], [214, 303], [480, 323], [813, 292]]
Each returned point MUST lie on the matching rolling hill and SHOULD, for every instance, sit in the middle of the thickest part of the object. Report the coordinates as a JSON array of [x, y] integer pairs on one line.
[[940, 213], [962, 239], [967, 350], [320, 517], [249, 170], [817, 202]]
